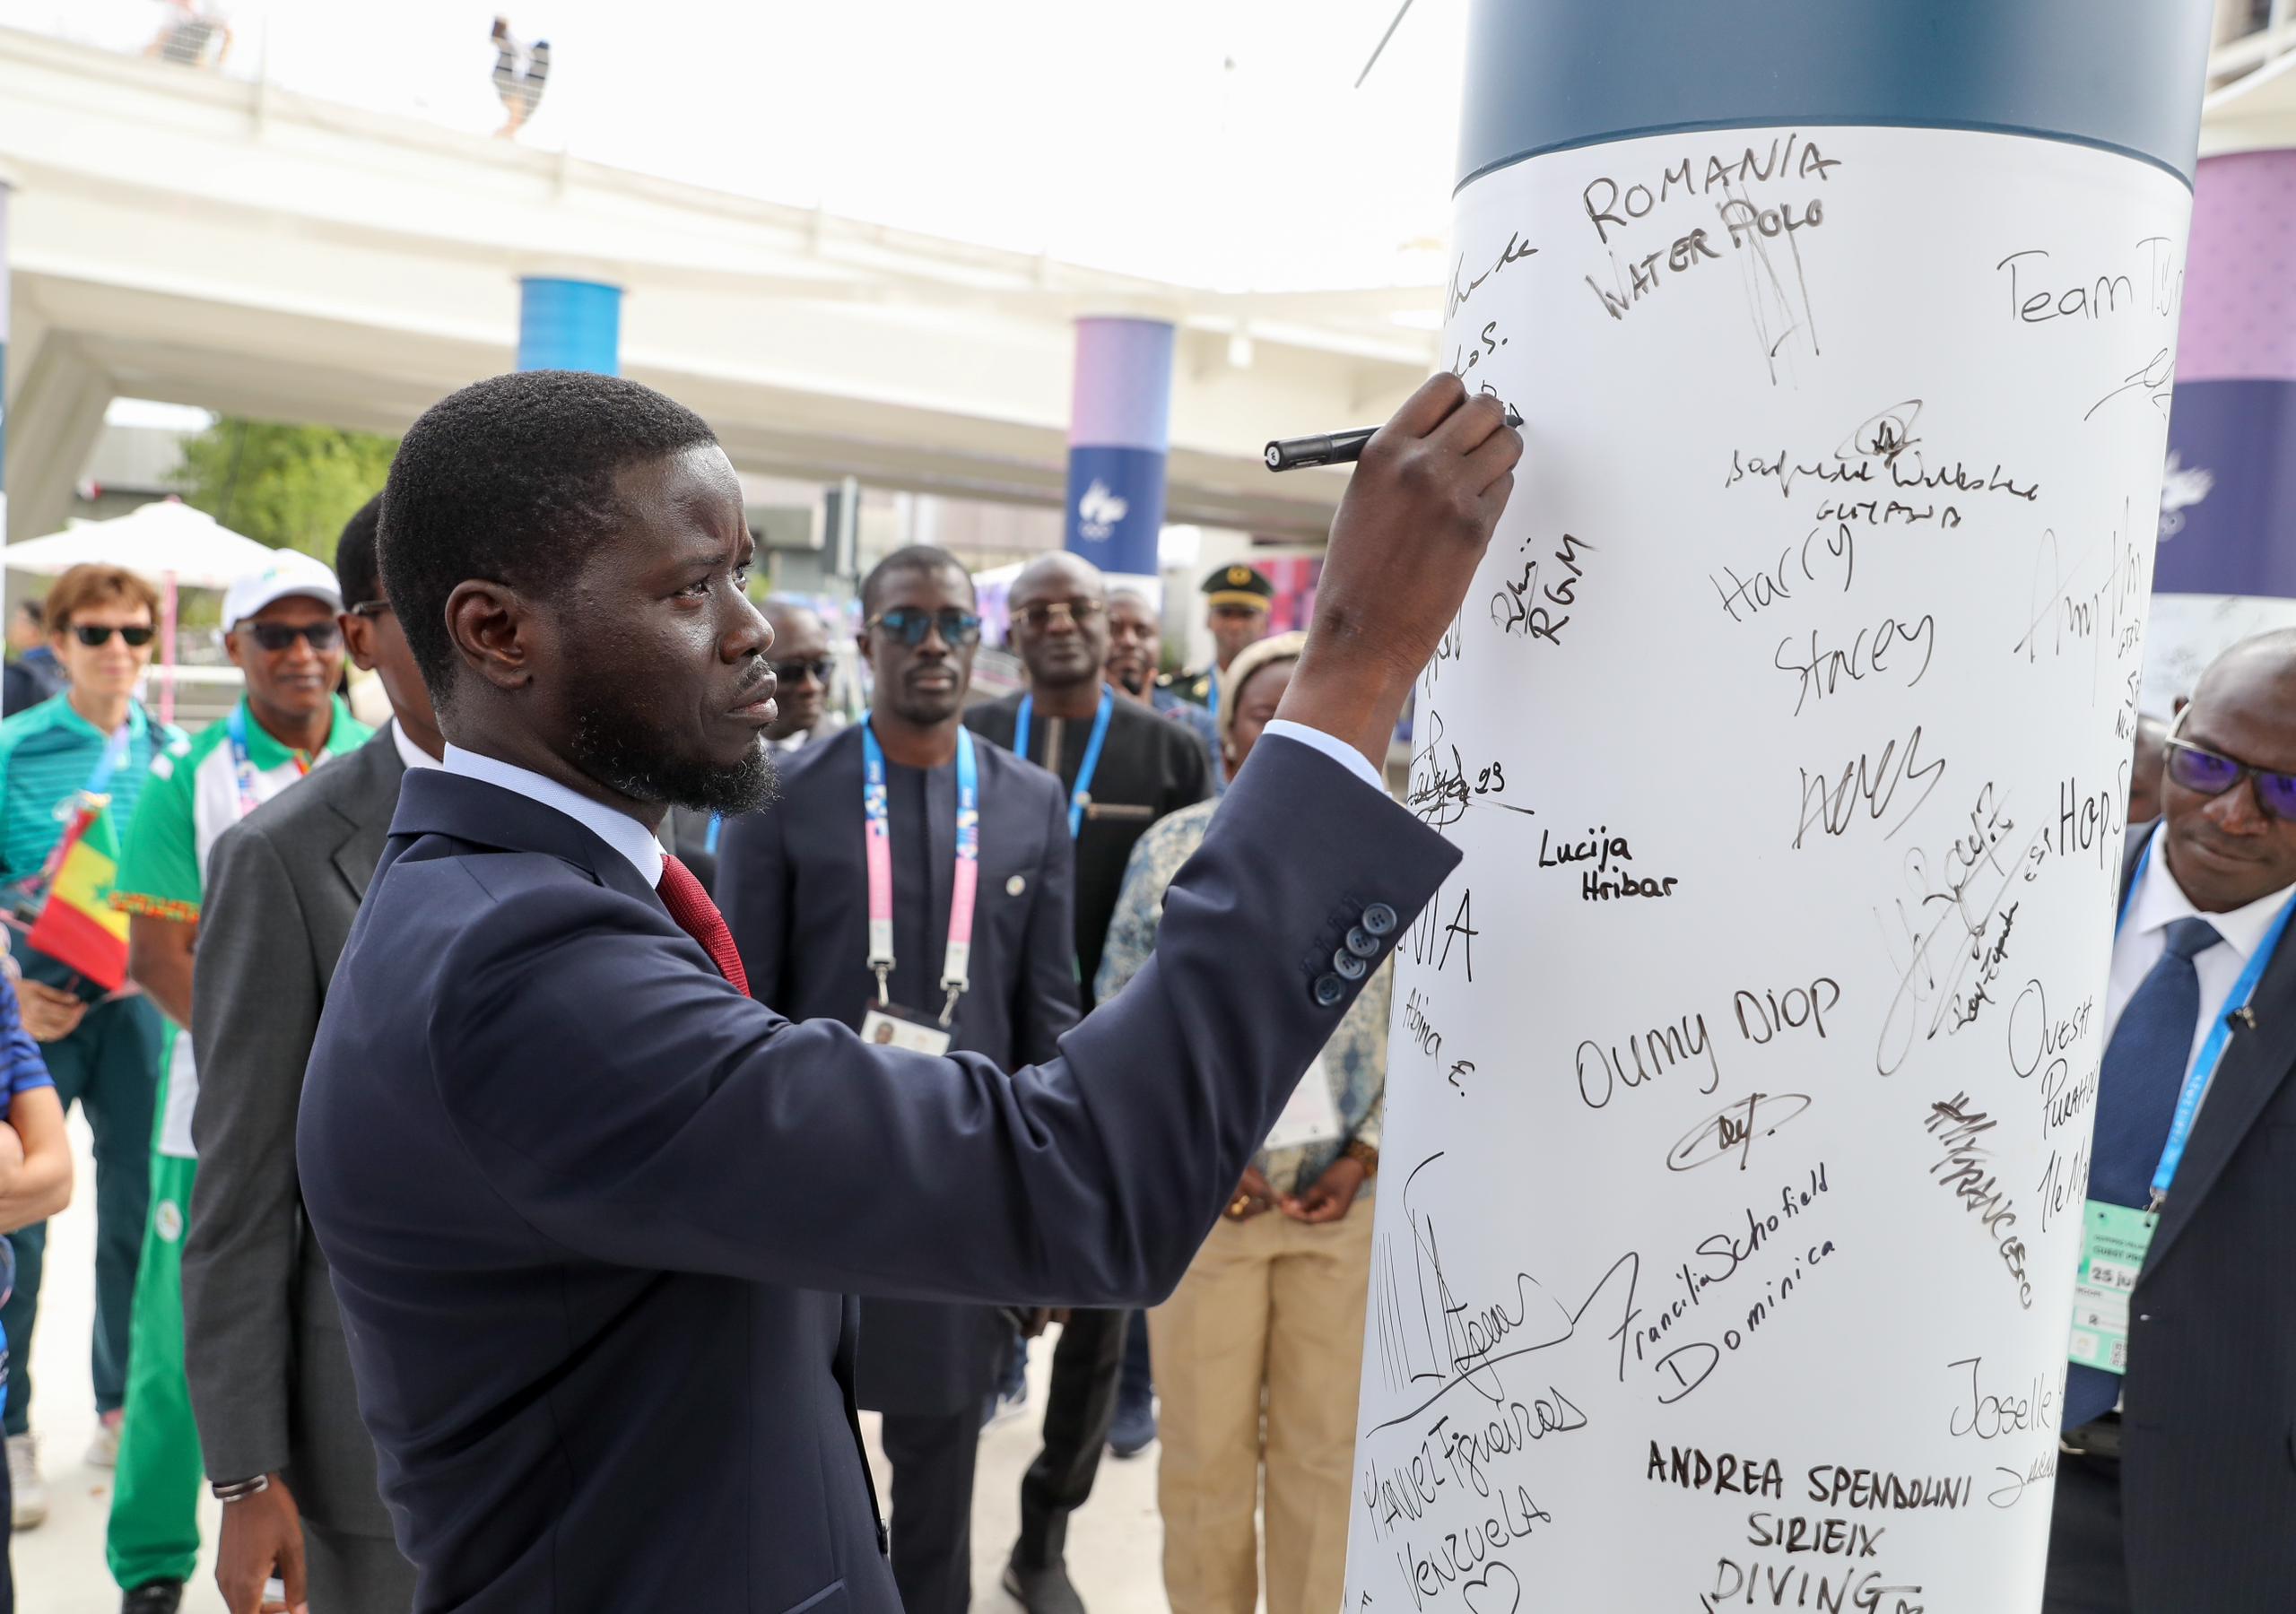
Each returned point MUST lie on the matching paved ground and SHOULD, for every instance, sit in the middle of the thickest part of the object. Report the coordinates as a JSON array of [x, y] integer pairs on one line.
[[1113, 1544]]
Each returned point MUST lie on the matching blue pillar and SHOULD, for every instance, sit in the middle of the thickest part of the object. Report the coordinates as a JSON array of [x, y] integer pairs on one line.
[[570, 325], [1120, 433]]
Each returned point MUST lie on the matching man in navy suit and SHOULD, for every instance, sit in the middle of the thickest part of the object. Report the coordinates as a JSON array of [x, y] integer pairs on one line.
[[591, 1209], [800, 891], [2175, 1491]]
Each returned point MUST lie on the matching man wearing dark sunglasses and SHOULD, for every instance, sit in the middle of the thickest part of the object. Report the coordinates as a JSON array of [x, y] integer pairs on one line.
[[798, 891], [802, 670], [103, 1050], [282, 634], [2177, 1491]]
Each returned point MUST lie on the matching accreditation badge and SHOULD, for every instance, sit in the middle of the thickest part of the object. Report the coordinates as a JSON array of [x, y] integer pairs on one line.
[[2113, 1242], [890, 1026], [1309, 1118]]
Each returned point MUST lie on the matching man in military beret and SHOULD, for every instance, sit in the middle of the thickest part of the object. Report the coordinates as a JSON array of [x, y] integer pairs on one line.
[[1236, 601]]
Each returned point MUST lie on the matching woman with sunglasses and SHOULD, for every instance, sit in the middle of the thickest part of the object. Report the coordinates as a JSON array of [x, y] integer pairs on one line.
[[104, 1052]]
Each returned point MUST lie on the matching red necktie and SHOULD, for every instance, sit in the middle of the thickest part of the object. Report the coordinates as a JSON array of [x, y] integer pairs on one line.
[[699, 917]]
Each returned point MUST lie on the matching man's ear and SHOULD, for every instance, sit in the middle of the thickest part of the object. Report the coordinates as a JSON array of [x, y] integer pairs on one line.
[[492, 626], [358, 639]]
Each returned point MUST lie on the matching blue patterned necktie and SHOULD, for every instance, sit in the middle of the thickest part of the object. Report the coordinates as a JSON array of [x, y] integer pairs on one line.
[[2136, 1099]]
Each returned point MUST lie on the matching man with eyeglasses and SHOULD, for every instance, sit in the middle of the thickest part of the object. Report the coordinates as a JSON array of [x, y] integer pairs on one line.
[[282, 634], [2175, 1489], [976, 953], [1122, 768], [102, 1048]]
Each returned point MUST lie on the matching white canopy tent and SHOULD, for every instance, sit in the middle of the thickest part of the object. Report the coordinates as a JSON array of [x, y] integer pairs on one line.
[[168, 542]]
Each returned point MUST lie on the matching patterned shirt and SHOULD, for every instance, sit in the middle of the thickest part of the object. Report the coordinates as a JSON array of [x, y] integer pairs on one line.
[[1355, 1060], [47, 755], [194, 796]]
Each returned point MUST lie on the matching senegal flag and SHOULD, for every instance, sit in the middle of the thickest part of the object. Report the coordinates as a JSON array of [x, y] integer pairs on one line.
[[78, 926]]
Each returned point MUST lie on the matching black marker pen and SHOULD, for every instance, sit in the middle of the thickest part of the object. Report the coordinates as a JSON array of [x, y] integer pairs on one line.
[[1339, 448]]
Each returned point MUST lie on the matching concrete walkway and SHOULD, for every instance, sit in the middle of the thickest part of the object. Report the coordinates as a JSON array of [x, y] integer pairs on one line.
[[1113, 1545]]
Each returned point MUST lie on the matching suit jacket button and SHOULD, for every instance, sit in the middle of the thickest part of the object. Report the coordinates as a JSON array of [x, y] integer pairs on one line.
[[1350, 966], [1362, 943], [1329, 989], [1379, 919]]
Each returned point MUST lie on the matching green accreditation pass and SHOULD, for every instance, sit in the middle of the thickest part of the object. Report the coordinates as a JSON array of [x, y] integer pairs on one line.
[[2113, 1242]]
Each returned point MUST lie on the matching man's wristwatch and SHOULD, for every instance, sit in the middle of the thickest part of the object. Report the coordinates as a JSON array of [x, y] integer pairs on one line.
[[1366, 1155], [239, 1490]]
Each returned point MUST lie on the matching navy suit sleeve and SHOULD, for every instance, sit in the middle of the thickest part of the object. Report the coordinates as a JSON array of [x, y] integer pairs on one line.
[[633, 1108], [753, 895], [1045, 998]]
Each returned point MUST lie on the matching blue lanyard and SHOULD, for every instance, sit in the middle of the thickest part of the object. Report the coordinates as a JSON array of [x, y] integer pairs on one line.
[[956, 962], [2220, 1032], [1080, 797], [243, 770]]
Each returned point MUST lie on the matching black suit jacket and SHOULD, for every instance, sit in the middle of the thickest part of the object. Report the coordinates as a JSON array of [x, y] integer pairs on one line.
[[794, 883], [591, 1212], [1149, 766], [2208, 1411]]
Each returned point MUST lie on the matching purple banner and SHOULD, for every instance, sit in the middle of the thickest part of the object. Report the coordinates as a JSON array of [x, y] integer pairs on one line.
[[2227, 505]]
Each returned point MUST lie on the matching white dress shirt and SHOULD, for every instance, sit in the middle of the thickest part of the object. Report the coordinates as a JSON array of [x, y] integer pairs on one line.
[[1336, 749], [410, 753], [619, 831], [2158, 902]]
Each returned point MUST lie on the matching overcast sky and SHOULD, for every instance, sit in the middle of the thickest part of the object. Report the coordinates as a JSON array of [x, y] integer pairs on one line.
[[1217, 142]]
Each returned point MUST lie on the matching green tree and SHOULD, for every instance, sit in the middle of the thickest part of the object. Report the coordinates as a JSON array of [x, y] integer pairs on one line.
[[291, 486]]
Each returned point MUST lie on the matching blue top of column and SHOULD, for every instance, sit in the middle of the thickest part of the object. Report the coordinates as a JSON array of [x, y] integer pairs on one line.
[[1546, 74]]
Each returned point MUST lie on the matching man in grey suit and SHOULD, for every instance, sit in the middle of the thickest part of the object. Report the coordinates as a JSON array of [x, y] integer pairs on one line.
[[264, 1346]]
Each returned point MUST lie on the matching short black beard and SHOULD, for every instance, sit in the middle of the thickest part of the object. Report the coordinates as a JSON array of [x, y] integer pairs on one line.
[[625, 754]]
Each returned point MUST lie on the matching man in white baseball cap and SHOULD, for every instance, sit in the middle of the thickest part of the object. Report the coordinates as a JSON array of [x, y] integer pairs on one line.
[[280, 629]]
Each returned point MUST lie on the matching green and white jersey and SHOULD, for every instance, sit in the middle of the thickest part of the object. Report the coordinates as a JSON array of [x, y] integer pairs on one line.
[[195, 793]]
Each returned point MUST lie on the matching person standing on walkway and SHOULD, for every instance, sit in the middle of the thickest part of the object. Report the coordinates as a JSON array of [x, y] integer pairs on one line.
[[994, 973], [283, 636], [1135, 646], [102, 1048], [1122, 768], [1259, 1352], [1236, 601], [264, 1351], [2175, 1488]]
